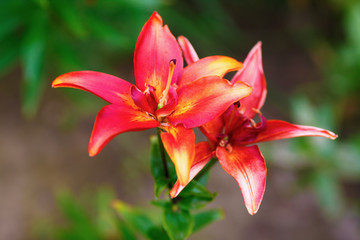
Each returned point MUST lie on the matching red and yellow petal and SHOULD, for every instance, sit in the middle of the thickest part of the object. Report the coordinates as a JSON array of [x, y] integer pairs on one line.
[[247, 166], [213, 129], [252, 73], [154, 50], [188, 50], [205, 99], [209, 66], [277, 129], [110, 88], [115, 119], [203, 154], [179, 143]]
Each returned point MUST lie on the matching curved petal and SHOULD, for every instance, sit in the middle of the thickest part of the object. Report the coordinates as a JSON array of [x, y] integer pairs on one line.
[[179, 143], [143, 100], [253, 74], [277, 129], [213, 128], [154, 50], [110, 88], [205, 99], [188, 50], [170, 104], [247, 166], [209, 66], [203, 154], [115, 119]]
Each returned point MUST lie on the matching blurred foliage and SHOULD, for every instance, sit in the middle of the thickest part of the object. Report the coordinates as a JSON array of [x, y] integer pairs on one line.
[[50, 37]]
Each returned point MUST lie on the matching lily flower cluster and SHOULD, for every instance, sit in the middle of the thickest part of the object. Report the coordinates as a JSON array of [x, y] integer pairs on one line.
[[177, 99]]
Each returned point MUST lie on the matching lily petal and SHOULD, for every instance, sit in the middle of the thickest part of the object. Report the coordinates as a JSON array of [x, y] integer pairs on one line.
[[110, 88], [205, 99], [154, 50], [179, 143], [115, 119], [143, 100], [247, 166], [203, 154], [209, 66], [253, 74], [188, 50], [277, 129], [213, 129]]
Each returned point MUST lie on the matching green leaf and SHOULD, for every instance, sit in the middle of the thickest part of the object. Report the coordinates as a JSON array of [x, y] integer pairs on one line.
[[9, 54], [107, 33], [33, 50], [71, 16], [178, 223], [106, 219], [161, 203], [195, 196], [139, 220], [352, 24], [127, 233], [328, 191], [196, 189], [8, 26], [79, 224], [202, 219]]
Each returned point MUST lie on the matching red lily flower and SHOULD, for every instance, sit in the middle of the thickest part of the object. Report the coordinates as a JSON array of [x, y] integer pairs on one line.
[[232, 135], [165, 96]]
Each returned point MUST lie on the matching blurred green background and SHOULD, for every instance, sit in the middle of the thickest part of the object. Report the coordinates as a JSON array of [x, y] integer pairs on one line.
[[311, 55]]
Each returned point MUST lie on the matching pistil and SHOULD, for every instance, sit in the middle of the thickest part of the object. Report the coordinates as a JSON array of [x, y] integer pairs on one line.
[[168, 83]]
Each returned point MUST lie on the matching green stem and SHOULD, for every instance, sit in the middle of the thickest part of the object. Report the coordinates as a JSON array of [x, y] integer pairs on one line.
[[163, 158]]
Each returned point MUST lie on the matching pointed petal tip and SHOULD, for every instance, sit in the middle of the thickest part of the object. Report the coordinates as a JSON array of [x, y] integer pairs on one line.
[[92, 150], [332, 135], [173, 193], [155, 15], [252, 211], [258, 44], [247, 166], [57, 82]]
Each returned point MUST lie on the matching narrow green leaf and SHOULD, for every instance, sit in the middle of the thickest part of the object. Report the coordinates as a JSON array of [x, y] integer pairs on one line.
[[352, 24], [195, 188], [71, 17], [178, 223], [8, 26], [9, 54], [195, 196], [105, 219], [328, 191], [202, 219], [106, 32], [79, 224], [33, 50], [127, 233], [139, 220]]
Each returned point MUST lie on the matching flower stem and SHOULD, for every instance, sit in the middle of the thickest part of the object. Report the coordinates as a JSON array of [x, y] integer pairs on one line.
[[163, 158]]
